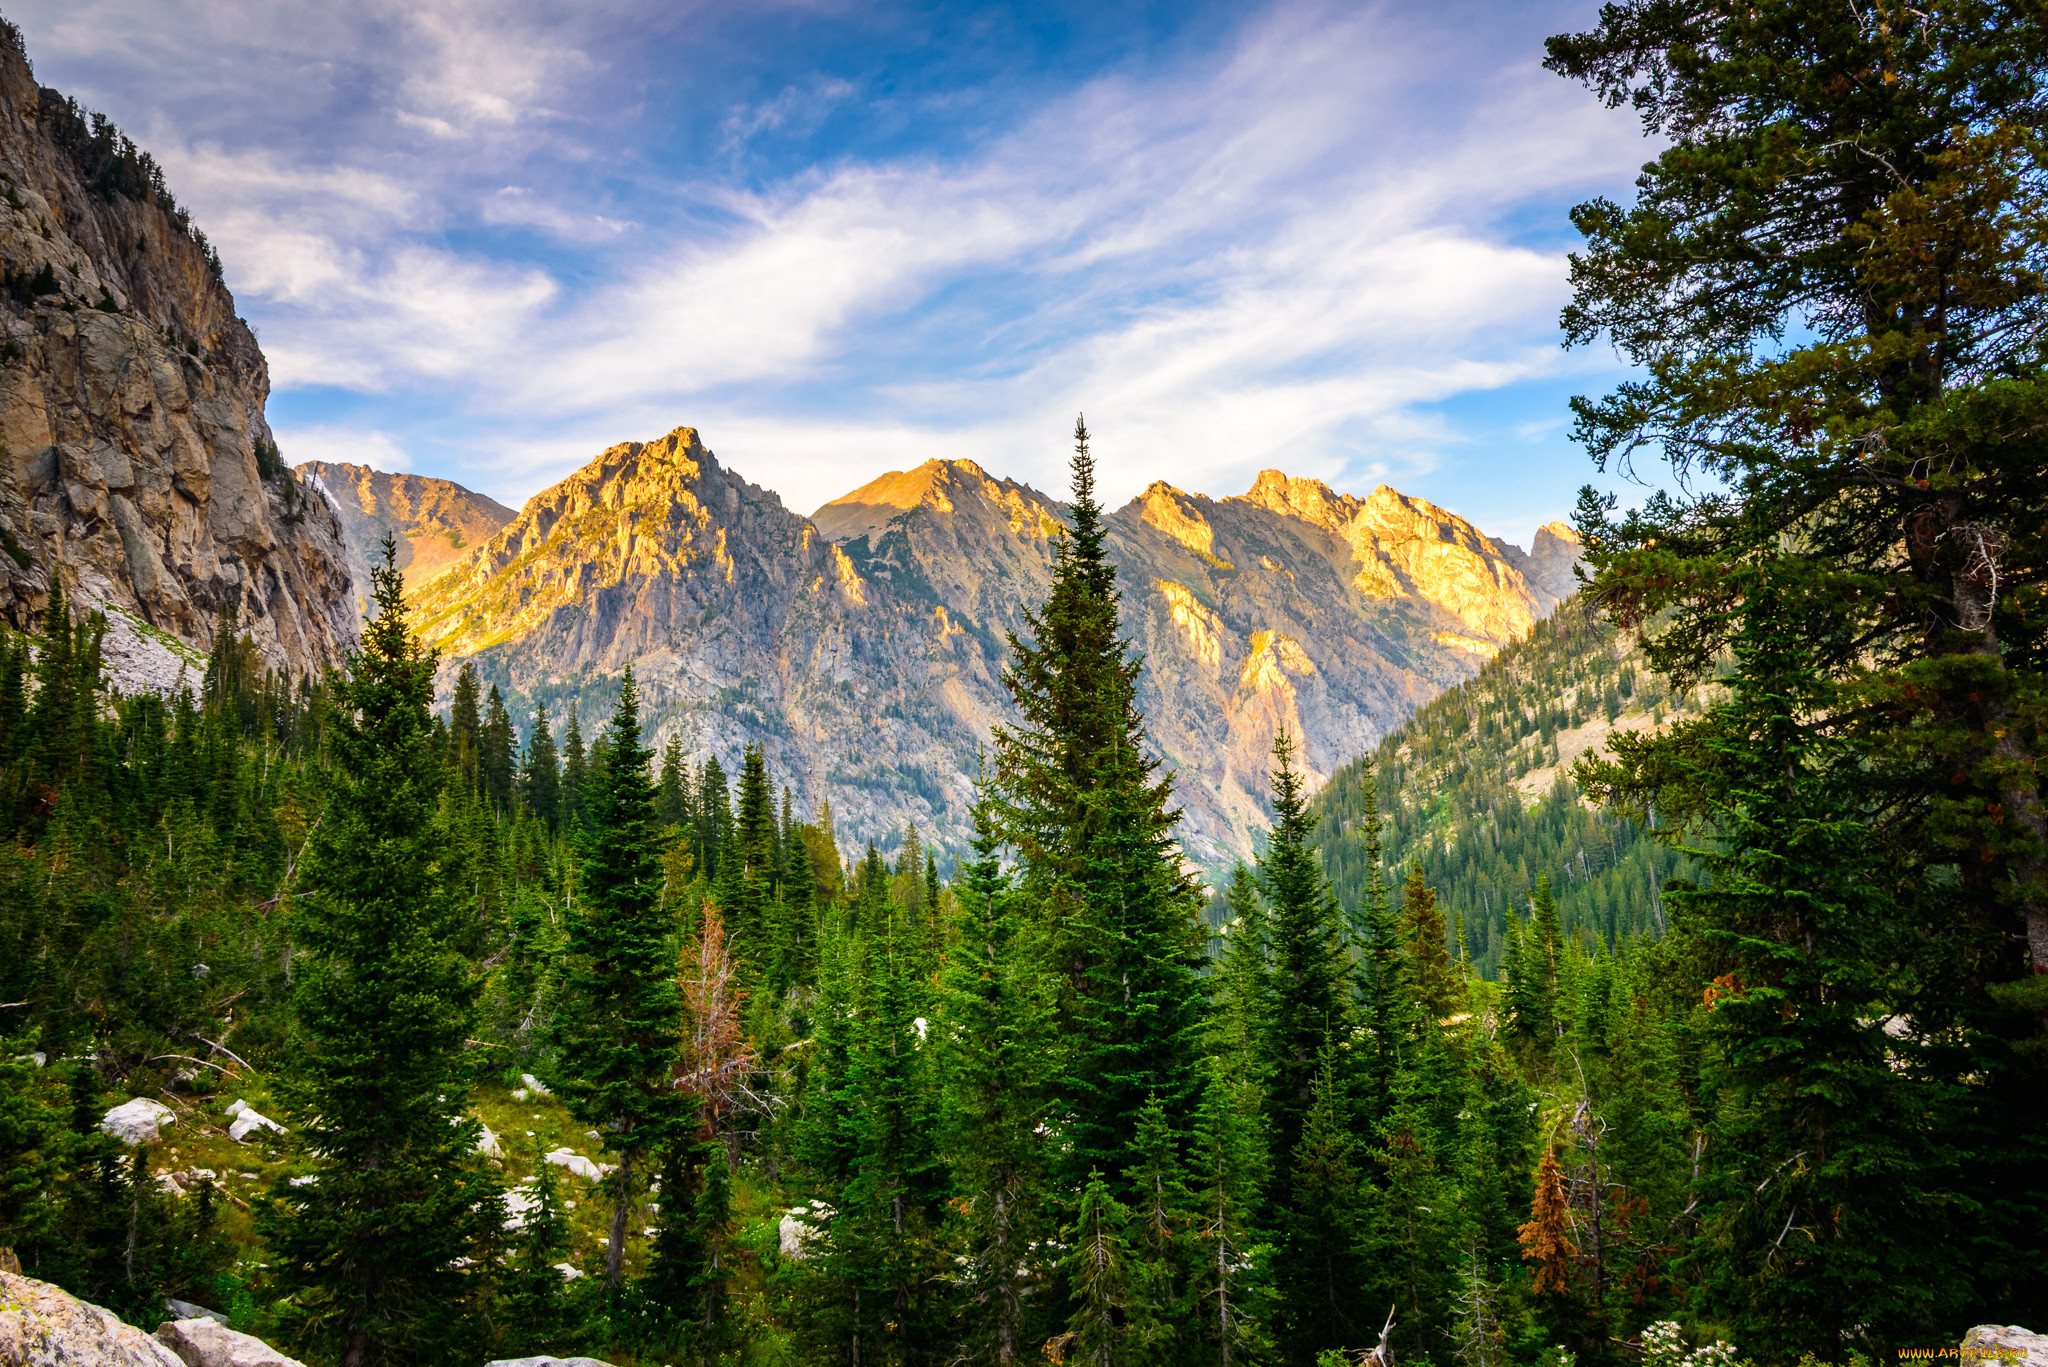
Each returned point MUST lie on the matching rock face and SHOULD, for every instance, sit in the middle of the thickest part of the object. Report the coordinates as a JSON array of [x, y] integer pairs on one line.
[[2004, 1345], [203, 1342], [863, 648], [433, 522], [41, 1326], [134, 455]]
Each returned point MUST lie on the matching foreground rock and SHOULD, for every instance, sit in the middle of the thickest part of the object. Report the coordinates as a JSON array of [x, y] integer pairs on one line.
[[41, 1326], [135, 459], [207, 1343], [547, 1362], [2004, 1345]]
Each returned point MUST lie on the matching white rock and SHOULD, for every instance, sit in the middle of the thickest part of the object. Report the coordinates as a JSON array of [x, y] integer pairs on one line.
[[575, 1162], [41, 1326], [568, 1272], [301, 1181], [545, 1361], [236, 1107], [534, 1084], [798, 1233], [487, 1144], [519, 1094], [136, 1121], [2004, 1345], [209, 1343], [248, 1122]]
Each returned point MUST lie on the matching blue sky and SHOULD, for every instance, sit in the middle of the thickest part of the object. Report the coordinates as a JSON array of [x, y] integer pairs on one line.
[[485, 240]]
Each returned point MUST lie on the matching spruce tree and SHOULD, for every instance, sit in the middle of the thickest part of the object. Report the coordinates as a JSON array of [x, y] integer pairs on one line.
[[497, 746], [619, 1032], [575, 775], [540, 775], [466, 727], [1086, 810], [373, 1254], [1431, 975], [993, 1038], [1309, 993], [674, 803]]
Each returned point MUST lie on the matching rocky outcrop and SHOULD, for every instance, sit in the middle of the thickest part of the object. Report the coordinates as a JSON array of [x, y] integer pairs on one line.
[[863, 648], [205, 1342], [2004, 1345], [433, 523], [134, 455], [42, 1326]]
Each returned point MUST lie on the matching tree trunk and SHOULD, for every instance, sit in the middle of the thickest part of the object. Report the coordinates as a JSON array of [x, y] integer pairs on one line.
[[615, 1251]]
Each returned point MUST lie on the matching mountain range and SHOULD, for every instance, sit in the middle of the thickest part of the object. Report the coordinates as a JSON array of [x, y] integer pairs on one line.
[[862, 647]]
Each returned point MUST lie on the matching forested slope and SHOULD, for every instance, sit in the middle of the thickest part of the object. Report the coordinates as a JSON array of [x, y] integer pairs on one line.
[[1476, 788]]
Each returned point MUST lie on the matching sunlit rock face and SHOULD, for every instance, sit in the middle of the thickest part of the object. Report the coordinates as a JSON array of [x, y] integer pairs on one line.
[[432, 523], [135, 460], [863, 647]]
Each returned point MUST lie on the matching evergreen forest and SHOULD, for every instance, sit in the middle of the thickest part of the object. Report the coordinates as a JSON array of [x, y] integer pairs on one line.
[[457, 1035]]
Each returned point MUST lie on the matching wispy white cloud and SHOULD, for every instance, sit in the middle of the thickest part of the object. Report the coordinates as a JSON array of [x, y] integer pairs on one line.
[[1279, 252], [338, 445]]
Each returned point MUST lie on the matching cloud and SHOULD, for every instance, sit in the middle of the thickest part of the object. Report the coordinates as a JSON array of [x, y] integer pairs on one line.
[[339, 445], [1278, 250]]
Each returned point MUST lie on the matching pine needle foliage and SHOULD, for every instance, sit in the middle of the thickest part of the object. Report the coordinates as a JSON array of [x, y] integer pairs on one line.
[[374, 1251]]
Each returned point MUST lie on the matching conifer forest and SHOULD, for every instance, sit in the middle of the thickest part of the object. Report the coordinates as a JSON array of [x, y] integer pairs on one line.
[[483, 1035]]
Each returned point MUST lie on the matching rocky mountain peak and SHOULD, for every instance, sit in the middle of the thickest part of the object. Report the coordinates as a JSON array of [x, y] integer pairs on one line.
[[136, 461], [1311, 500], [940, 486], [433, 522]]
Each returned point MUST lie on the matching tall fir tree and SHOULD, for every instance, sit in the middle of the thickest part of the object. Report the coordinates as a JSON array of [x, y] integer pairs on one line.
[[619, 1034], [1086, 810], [994, 1044], [540, 773], [575, 775], [374, 1254], [497, 750]]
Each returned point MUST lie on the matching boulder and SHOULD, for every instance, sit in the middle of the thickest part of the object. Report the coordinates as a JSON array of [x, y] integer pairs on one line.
[[545, 1361], [487, 1143], [137, 1120], [534, 1084], [41, 1326], [247, 1121], [2004, 1345], [186, 1310], [576, 1163], [204, 1342]]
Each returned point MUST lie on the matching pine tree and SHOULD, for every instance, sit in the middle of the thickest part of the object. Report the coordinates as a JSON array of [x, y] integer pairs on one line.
[[532, 1310], [1098, 1268], [993, 1038], [1087, 813], [748, 870], [1308, 998], [374, 1252], [674, 803], [497, 746], [466, 727], [1317, 1267], [714, 818], [540, 775], [1431, 974], [575, 776], [619, 1030]]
